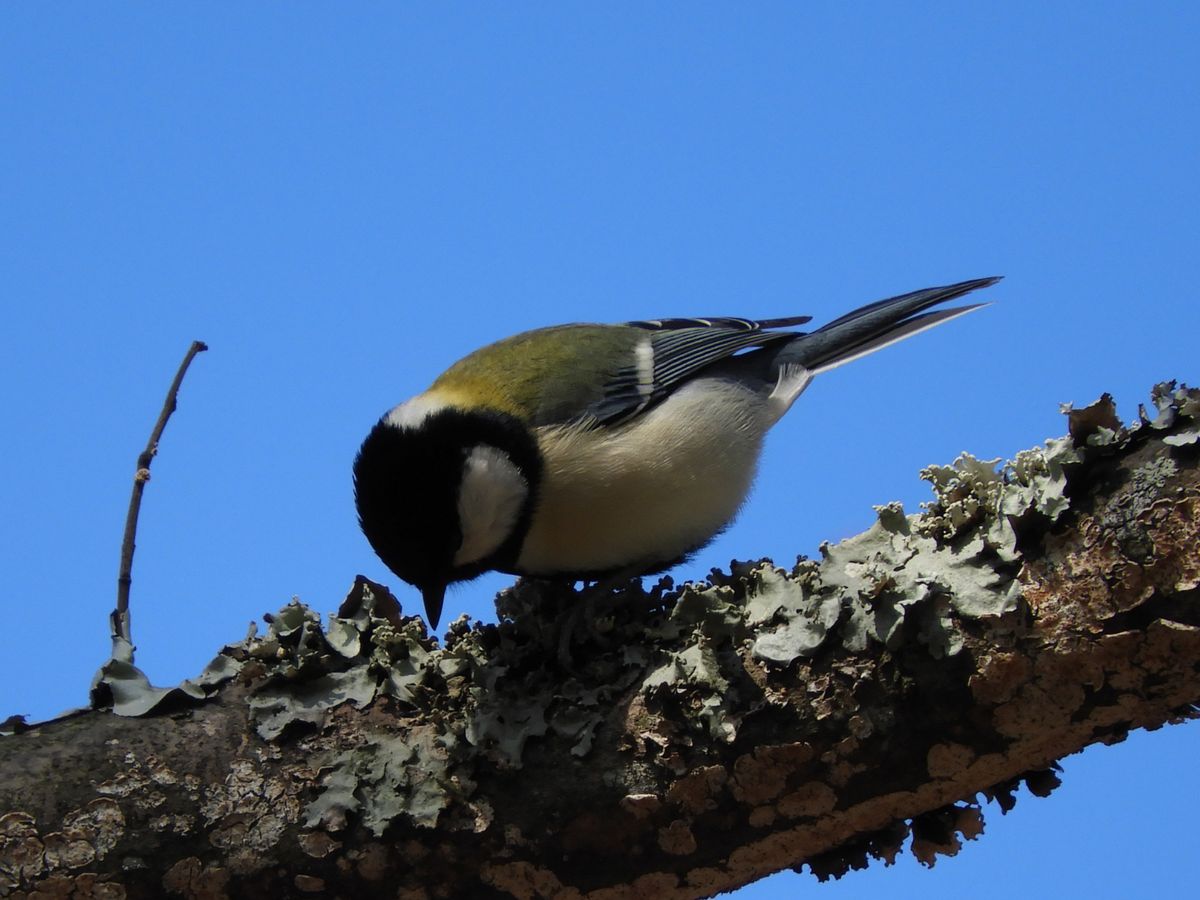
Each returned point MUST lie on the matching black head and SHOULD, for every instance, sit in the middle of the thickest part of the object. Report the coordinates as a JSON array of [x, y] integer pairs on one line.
[[408, 487]]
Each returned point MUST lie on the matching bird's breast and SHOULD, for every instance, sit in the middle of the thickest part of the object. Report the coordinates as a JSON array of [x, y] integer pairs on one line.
[[650, 491]]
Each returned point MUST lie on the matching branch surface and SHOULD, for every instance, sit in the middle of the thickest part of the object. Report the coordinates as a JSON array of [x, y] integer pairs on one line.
[[703, 737]]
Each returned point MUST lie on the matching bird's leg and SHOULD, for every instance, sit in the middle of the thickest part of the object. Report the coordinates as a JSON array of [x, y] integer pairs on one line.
[[593, 602]]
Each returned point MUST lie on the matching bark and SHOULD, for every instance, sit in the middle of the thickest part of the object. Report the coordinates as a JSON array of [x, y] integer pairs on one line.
[[697, 739]]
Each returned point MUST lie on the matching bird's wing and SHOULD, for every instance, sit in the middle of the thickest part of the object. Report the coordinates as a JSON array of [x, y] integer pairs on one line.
[[670, 353]]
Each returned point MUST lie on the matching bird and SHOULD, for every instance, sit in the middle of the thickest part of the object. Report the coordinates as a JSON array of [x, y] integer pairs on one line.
[[587, 451]]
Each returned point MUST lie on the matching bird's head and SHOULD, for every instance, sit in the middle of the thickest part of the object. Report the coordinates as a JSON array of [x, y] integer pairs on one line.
[[445, 494]]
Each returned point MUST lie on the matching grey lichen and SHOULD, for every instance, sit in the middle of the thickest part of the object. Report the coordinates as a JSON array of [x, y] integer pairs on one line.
[[506, 725], [950, 563], [973, 495], [388, 778], [807, 616], [695, 674], [282, 703], [866, 589], [123, 687], [1172, 404]]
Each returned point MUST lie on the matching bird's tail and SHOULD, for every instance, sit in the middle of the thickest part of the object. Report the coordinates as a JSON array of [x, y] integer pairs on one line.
[[877, 325]]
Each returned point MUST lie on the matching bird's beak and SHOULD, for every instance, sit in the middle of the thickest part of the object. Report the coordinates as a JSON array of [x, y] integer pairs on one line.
[[433, 595]]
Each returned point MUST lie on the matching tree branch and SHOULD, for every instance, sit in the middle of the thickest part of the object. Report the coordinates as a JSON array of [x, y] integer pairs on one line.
[[121, 627], [703, 738]]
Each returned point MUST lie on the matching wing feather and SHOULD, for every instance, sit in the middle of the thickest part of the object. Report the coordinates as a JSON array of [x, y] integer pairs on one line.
[[679, 350]]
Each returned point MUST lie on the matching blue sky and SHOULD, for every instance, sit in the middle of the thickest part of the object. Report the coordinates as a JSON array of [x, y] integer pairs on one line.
[[343, 199]]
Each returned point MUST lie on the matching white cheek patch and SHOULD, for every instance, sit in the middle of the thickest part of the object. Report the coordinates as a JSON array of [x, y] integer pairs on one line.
[[411, 413], [490, 499]]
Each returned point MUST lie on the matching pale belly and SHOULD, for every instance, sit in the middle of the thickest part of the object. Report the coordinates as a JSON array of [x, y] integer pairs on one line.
[[649, 493]]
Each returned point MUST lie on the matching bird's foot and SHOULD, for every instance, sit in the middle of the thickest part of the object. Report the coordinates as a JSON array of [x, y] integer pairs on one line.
[[591, 617]]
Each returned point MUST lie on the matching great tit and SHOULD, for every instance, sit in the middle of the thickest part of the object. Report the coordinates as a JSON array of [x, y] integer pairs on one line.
[[583, 451]]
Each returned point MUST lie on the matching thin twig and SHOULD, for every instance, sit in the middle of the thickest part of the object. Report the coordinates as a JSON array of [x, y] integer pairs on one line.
[[121, 626]]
